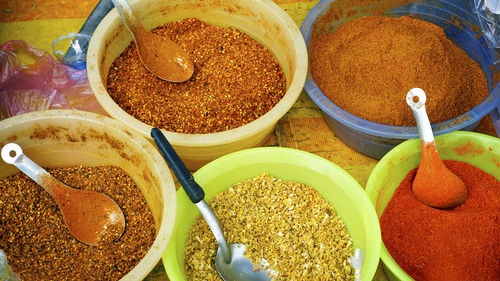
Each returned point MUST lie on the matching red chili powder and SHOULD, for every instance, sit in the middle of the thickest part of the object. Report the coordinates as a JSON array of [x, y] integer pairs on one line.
[[458, 244]]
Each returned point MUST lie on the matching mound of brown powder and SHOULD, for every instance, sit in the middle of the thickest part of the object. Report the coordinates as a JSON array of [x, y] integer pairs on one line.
[[369, 64]]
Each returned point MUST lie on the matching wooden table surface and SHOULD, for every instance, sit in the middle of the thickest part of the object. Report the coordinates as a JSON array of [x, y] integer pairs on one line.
[[39, 22]]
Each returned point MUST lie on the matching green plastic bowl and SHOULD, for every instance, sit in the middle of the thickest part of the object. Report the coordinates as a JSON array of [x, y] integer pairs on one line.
[[480, 150], [333, 183]]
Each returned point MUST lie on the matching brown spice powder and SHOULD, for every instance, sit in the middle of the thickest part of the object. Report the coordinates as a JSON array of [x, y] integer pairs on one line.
[[287, 223], [38, 244], [367, 66], [236, 80]]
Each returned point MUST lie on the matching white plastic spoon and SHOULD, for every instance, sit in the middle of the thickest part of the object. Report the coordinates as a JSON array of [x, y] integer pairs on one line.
[[91, 217], [434, 185]]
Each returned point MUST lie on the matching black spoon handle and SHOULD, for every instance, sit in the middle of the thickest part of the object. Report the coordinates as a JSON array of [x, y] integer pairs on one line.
[[193, 190], [100, 11]]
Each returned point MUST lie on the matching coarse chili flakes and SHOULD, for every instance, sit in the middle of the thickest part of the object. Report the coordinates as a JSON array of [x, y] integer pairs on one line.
[[236, 80], [38, 244]]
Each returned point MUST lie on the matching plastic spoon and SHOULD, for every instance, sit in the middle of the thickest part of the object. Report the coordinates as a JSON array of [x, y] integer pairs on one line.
[[161, 56], [91, 217], [230, 259], [434, 184]]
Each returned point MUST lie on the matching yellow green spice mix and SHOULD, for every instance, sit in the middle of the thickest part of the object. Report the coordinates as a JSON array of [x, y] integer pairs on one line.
[[287, 223]]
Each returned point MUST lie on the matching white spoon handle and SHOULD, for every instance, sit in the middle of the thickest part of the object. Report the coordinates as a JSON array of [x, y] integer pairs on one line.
[[127, 15], [13, 154], [416, 100]]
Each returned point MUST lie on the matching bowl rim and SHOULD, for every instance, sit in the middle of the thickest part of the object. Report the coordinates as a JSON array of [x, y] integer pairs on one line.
[[169, 208], [377, 129], [386, 161], [270, 118], [263, 154]]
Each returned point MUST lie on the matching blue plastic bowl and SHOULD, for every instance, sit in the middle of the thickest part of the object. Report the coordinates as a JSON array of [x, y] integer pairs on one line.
[[374, 139]]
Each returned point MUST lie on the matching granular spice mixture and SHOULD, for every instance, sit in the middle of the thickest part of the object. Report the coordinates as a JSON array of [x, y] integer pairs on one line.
[[38, 244], [236, 80], [367, 66], [446, 245], [287, 223]]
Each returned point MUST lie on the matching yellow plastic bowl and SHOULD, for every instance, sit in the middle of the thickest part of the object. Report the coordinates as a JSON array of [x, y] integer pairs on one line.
[[330, 181], [263, 20], [61, 138], [480, 150]]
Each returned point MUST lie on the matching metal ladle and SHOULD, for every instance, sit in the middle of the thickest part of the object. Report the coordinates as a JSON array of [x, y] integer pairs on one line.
[[434, 185], [90, 217], [230, 259], [161, 56]]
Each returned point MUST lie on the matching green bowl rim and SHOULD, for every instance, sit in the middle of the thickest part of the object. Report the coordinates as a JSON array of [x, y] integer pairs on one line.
[[370, 188], [371, 216]]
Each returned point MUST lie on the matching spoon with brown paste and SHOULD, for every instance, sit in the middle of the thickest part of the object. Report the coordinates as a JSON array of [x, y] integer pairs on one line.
[[434, 185], [90, 217], [161, 56]]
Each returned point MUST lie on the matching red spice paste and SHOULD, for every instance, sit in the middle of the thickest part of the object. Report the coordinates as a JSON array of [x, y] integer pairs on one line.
[[458, 244]]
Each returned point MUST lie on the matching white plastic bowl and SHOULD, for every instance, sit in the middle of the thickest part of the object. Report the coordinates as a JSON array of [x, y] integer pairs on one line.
[[62, 138], [263, 20]]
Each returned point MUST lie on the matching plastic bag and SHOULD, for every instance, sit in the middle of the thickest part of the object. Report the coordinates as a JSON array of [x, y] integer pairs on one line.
[[488, 15], [46, 84], [76, 53]]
